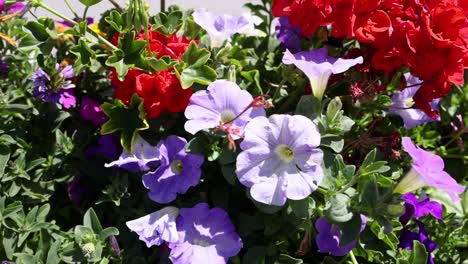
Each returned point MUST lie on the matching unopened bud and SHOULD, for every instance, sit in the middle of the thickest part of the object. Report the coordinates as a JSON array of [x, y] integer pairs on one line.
[[88, 249], [395, 209]]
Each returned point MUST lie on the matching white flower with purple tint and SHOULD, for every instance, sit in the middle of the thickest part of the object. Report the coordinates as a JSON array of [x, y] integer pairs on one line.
[[143, 158], [402, 103], [427, 170], [221, 28], [318, 67], [157, 227], [280, 159], [177, 172], [205, 236], [223, 102]]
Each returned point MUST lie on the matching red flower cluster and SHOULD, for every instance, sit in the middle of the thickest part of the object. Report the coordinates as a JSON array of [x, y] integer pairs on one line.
[[160, 91], [428, 36]]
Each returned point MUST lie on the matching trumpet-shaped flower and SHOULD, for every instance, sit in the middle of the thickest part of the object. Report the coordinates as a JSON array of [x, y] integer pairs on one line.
[[318, 67], [420, 208], [205, 236], [427, 170], [223, 102], [157, 227], [280, 159], [178, 170]]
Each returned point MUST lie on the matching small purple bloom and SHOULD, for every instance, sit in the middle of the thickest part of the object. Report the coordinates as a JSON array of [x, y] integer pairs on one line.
[[67, 98], [427, 170], [318, 67], [4, 68], [14, 8], [157, 227], [329, 236], [289, 35], [407, 237], [177, 172], [89, 21], [204, 235], [107, 146], [143, 158], [418, 208], [77, 190], [402, 102], [91, 111], [115, 245], [280, 159], [222, 102], [61, 94]]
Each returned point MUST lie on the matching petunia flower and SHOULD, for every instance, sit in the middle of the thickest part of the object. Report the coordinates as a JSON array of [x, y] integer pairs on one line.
[[221, 28], [280, 159], [427, 170], [177, 172], [4, 68], [318, 67], [402, 103], [420, 208], [14, 8], [290, 36], [91, 111], [205, 236], [143, 158], [107, 146], [329, 236], [157, 227], [222, 103], [407, 237]]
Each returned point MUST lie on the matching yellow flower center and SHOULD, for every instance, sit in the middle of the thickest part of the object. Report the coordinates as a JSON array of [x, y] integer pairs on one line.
[[177, 167], [227, 115], [409, 102], [284, 153]]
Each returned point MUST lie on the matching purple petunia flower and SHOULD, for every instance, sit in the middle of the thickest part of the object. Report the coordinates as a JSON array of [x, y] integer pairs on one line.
[[89, 21], [407, 237], [4, 68], [143, 158], [61, 94], [402, 102], [418, 208], [77, 190], [329, 236], [204, 235], [91, 111], [221, 28], [221, 103], [14, 8], [107, 146], [290, 36], [157, 227], [427, 170], [177, 172], [318, 67], [280, 159]]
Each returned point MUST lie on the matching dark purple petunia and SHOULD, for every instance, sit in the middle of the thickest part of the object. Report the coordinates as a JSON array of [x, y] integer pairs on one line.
[[4, 68], [407, 237], [77, 190], [91, 111], [289, 35], [419, 208], [107, 147]]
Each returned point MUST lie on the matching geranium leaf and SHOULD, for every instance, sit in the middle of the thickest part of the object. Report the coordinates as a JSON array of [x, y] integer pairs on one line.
[[89, 3]]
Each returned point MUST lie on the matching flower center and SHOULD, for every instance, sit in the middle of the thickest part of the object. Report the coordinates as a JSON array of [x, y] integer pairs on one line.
[[284, 153], [200, 242], [409, 102], [227, 115], [177, 167]]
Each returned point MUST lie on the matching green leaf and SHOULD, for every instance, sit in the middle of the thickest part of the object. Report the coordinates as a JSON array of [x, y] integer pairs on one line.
[[309, 106], [336, 210], [110, 231], [89, 3], [116, 21], [4, 157], [194, 56], [352, 230], [419, 254], [38, 30], [85, 55], [303, 208], [91, 220], [202, 75], [161, 64], [130, 54], [167, 23], [286, 259], [336, 143], [129, 120]]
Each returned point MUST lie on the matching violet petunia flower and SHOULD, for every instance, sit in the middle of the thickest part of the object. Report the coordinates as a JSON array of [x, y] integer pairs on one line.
[[280, 159], [402, 102], [62, 93], [143, 158], [413, 206], [14, 8], [89, 21], [407, 237], [107, 147], [177, 172], [205, 235], [157, 227], [221, 28], [427, 170], [290, 36], [220, 104], [329, 236], [91, 111], [318, 67]]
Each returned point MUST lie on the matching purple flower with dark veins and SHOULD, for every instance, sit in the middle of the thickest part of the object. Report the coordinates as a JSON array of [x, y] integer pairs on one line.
[[407, 237], [289, 35], [420, 208], [427, 170], [280, 159], [205, 236], [177, 172]]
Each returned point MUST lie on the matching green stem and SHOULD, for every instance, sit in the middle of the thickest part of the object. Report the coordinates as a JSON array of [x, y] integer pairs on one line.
[[349, 184], [353, 258], [85, 13], [71, 8], [455, 137], [451, 156]]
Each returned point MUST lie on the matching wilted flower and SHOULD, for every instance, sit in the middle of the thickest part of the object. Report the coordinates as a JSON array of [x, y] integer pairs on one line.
[[205, 235], [178, 170], [427, 170], [91, 111], [420, 208], [407, 237], [402, 103], [329, 237], [157, 227], [280, 159], [318, 67]]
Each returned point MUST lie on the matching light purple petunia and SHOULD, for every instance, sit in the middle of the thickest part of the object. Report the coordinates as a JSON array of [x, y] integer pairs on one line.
[[177, 172], [415, 207], [220, 28], [205, 236], [280, 159], [402, 102], [318, 67], [91, 111], [14, 8], [427, 170], [143, 158], [329, 236], [157, 227], [220, 103]]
